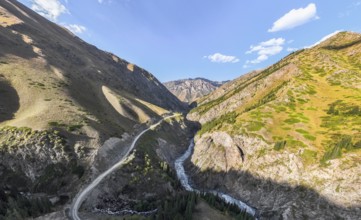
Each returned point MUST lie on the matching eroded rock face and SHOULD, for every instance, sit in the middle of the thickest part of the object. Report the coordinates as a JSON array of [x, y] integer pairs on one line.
[[189, 90], [219, 152], [277, 184], [33, 162]]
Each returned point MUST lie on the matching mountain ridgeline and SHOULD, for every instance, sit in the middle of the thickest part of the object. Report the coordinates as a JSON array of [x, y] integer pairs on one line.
[[68, 111], [189, 90], [287, 139]]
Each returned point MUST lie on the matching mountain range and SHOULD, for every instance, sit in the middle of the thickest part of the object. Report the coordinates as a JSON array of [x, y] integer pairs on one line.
[[285, 140]]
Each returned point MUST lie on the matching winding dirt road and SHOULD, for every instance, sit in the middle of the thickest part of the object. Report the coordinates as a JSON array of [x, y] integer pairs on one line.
[[81, 196]]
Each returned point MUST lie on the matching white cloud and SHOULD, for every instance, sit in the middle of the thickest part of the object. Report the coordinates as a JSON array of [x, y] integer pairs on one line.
[[220, 58], [270, 47], [324, 38], [294, 18], [75, 28], [265, 50], [50, 9], [100, 1], [259, 59], [291, 49]]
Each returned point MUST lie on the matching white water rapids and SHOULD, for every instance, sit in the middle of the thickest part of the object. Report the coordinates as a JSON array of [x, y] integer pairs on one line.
[[182, 176]]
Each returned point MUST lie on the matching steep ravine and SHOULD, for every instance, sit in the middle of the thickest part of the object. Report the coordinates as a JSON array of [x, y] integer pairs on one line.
[[276, 192], [184, 179]]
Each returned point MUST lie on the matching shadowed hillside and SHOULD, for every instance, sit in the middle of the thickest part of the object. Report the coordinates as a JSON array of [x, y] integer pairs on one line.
[[288, 201], [61, 99], [9, 101]]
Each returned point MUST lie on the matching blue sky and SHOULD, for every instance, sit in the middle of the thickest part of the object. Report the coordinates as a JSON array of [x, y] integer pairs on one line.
[[215, 39]]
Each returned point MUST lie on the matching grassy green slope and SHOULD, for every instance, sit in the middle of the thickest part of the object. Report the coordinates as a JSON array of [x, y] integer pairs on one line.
[[318, 108]]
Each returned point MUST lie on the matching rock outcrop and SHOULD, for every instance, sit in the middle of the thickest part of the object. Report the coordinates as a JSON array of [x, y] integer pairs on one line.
[[190, 90]]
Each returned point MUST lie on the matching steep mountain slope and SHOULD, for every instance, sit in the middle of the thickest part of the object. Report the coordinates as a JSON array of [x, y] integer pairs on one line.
[[189, 90], [51, 62], [60, 100], [288, 139]]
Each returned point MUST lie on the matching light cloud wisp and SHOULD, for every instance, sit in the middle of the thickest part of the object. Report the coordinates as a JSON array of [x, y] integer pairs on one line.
[[265, 50], [76, 28], [294, 18], [50, 9], [221, 58], [291, 49]]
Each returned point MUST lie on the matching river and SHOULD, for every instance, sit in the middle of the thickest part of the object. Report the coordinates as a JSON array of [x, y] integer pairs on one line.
[[179, 169], [183, 177]]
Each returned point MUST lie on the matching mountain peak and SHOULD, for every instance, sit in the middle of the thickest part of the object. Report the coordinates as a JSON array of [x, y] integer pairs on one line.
[[340, 40], [188, 90]]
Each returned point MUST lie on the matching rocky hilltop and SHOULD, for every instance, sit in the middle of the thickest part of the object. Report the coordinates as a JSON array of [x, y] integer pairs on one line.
[[189, 90], [287, 139]]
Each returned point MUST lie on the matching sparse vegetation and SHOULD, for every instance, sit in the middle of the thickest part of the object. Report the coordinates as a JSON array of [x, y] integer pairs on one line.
[[267, 98], [309, 157], [343, 143], [280, 145], [70, 128], [229, 118], [14, 137], [18, 206], [255, 126], [23, 141]]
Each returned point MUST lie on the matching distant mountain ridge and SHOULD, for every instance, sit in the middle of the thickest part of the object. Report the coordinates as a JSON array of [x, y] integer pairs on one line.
[[189, 90]]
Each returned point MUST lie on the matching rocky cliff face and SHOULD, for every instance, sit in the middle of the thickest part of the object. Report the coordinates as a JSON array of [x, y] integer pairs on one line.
[[286, 139], [277, 184], [38, 170], [189, 90]]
